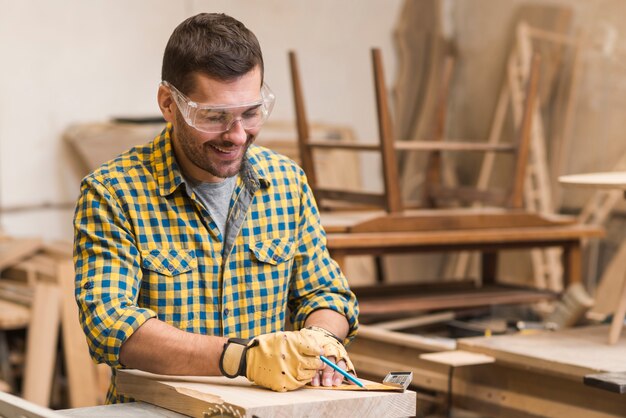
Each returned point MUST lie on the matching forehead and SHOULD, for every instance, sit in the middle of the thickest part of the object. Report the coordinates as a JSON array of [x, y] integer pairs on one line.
[[209, 90]]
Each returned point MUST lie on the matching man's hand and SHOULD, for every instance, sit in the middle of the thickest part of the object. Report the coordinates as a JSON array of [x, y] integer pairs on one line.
[[280, 361], [334, 350]]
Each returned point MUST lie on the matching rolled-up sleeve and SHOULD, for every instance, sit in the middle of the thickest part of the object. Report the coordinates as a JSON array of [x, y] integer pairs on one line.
[[108, 273], [317, 281]]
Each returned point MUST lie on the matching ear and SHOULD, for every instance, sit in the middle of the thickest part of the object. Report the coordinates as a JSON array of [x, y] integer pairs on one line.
[[166, 103]]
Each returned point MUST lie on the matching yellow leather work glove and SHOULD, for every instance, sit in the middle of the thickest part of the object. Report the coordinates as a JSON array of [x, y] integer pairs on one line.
[[331, 344], [279, 361]]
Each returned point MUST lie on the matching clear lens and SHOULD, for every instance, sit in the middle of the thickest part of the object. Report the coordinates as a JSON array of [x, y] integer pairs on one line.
[[220, 118]]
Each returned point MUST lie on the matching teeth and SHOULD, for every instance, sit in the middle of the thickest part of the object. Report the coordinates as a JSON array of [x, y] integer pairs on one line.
[[221, 149]]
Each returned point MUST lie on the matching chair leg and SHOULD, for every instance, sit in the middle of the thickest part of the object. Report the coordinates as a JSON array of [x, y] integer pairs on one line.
[[489, 267], [6, 374]]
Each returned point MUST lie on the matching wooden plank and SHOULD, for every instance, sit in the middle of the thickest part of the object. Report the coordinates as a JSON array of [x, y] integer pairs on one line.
[[434, 219], [396, 289], [301, 121], [13, 250], [448, 145], [456, 219], [492, 295], [14, 407], [452, 145], [607, 297], [16, 291], [122, 410], [618, 317], [473, 237], [38, 264], [614, 382], [417, 321], [573, 352], [353, 146], [417, 342], [13, 315], [391, 178], [362, 197], [80, 369], [197, 396], [457, 358], [41, 344], [608, 180], [342, 221], [96, 143], [524, 136]]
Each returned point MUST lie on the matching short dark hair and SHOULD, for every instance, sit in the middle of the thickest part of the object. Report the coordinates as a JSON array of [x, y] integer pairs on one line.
[[213, 44]]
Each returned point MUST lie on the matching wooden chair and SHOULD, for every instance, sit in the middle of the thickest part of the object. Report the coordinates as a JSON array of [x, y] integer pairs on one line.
[[398, 216]]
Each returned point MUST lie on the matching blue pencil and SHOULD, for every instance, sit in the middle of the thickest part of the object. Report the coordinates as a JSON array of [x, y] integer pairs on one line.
[[343, 372]]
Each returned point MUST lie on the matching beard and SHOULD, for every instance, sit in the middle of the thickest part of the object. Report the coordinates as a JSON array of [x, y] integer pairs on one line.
[[204, 154]]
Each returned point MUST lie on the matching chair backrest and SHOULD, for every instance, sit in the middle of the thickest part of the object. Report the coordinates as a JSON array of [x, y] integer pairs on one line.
[[390, 199]]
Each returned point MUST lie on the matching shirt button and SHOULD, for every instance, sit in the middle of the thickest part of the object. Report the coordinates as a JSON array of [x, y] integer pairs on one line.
[[226, 312], [88, 285], [275, 257], [170, 267]]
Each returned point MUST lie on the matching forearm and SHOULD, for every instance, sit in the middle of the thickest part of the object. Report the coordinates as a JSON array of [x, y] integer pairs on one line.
[[329, 320], [160, 348]]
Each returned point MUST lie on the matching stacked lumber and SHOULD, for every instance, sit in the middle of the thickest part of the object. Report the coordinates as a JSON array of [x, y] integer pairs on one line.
[[37, 295]]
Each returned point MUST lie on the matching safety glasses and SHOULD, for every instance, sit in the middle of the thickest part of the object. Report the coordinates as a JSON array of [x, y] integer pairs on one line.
[[220, 118]]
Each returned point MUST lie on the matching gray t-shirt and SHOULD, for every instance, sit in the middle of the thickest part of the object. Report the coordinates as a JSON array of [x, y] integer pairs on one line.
[[216, 199]]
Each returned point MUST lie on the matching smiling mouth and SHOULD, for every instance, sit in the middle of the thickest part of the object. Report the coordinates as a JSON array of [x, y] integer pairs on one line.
[[225, 151]]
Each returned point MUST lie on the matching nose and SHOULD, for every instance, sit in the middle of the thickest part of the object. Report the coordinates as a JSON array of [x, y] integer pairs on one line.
[[236, 133]]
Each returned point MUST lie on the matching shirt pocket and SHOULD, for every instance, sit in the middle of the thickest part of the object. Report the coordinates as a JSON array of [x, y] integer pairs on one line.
[[273, 251], [268, 280], [169, 261], [170, 281]]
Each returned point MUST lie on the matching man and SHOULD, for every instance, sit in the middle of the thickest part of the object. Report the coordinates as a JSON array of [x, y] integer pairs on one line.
[[190, 249]]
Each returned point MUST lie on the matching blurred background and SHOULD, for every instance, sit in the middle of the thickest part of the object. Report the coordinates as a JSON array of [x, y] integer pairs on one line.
[[70, 68]]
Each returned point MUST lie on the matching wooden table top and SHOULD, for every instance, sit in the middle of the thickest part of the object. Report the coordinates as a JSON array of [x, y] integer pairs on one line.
[[573, 352], [607, 180], [337, 241]]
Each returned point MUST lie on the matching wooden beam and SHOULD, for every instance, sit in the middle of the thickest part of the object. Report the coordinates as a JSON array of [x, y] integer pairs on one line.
[[210, 396], [302, 123], [486, 296], [41, 344], [80, 369], [15, 407], [390, 168]]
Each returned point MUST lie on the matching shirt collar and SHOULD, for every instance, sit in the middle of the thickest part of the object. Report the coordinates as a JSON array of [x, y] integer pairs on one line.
[[169, 176]]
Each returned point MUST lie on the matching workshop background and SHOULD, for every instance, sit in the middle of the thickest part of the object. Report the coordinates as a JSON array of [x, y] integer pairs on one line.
[[70, 68], [102, 60]]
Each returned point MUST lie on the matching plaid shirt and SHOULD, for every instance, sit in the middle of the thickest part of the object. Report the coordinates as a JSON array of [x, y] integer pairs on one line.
[[145, 247]]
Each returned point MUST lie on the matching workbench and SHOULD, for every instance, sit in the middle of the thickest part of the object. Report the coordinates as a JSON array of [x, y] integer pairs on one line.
[[536, 374]]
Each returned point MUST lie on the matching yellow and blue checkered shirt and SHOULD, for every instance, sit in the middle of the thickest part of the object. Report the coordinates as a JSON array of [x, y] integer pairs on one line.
[[145, 247]]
